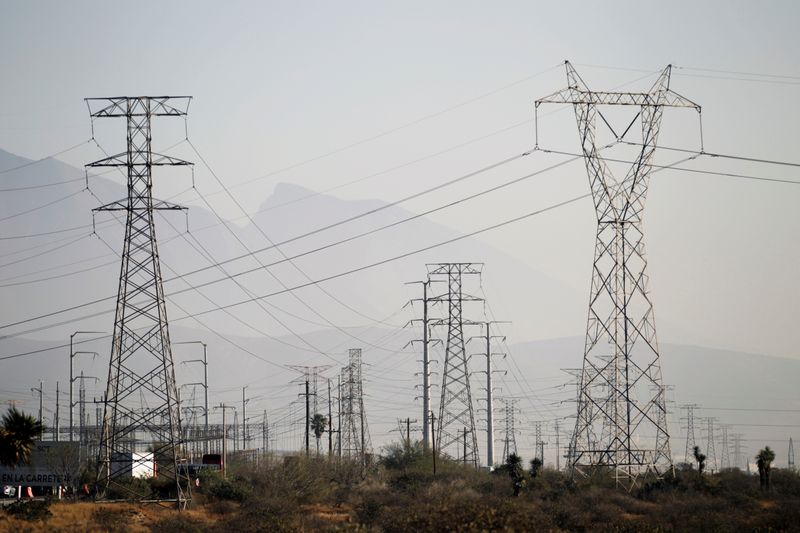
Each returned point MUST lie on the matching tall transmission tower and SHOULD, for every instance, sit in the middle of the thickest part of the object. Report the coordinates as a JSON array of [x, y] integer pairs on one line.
[[725, 456], [691, 441], [711, 451], [354, 432], [621, 368], [738, 449], [455, 408], [141, 411], [790, 461], [510, 439]]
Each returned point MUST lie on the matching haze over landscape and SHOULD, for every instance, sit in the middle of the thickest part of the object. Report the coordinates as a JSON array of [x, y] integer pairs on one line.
[[358, 116]]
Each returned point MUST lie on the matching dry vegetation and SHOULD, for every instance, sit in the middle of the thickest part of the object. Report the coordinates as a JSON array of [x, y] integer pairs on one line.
[[400, 494]]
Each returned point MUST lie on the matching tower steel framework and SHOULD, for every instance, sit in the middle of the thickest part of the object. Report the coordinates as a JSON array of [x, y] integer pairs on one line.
[[141, 411], [355, 441], [621, 410], [510, 439], [456, 410]]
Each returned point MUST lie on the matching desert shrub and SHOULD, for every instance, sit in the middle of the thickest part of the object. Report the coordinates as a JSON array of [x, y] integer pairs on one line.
[[176, 523], [399, 456], [29, 510], [785, 482], [222, 507], [266, 514], [113, 518], [228, 489]]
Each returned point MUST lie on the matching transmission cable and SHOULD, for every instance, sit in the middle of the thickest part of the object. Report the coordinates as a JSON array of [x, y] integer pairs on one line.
[[211, 259], [250, 253], [45, 158]]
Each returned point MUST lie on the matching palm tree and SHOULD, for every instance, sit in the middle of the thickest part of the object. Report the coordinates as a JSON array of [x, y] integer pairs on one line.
[[764, 462], [318, 424], [701, 460], [18, 433]]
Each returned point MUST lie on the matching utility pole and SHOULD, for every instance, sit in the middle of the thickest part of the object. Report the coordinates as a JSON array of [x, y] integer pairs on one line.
[[408, 432], [330, 421], [204, 362], [456, 408], [244, 419], [558, 446], [433, 439], [464, 453], [55, 418], [790, 461], [40, 391], [487, 339], [141, 400], [265, 434], [310, 376], [224, 438], [339, 416], [426, 371], [620, 333], [235, 430], [308, 415], [72, 355]]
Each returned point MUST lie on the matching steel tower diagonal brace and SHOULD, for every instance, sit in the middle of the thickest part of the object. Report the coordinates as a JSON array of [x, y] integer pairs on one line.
[[621, 408], [141, 411], [456, 410]]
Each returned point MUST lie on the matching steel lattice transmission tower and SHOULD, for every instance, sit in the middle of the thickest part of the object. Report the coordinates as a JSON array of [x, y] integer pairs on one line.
[[355, 440], [691, 441], [711, 449], [510, 439], [141, 411], [621, 409], [725, 457], [456, 410]]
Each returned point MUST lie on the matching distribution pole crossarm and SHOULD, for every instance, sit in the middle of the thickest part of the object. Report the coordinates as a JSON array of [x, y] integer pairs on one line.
[[621, 421], [141, 421]]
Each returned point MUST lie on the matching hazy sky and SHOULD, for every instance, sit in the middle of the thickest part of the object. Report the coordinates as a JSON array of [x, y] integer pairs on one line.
[[281, 83]]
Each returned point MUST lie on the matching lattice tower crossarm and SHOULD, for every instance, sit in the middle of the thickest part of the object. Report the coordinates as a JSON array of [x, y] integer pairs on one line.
[[456, 410], [621, 409], [141, 410]]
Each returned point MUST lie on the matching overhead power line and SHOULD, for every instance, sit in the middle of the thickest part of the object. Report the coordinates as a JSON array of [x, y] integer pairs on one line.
[[45, 158], [570, 154]]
